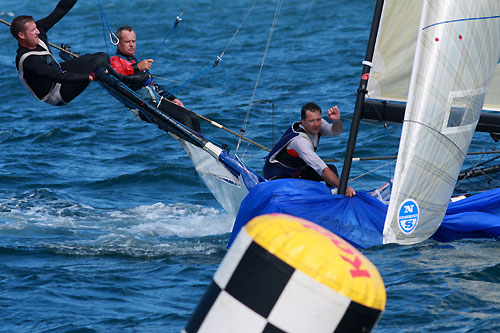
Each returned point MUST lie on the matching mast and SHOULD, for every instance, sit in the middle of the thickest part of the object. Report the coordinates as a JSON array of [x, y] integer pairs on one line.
[[358, 109]]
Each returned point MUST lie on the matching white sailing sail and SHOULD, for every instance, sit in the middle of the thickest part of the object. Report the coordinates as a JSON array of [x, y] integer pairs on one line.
[[228, 189], [395, 51], [456, 53]]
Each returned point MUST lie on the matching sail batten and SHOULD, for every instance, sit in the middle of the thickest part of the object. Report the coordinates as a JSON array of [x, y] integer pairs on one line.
[[462, 20], [456, 53]]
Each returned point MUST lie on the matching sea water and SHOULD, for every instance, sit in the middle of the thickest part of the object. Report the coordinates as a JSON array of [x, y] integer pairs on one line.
[[104, 224]]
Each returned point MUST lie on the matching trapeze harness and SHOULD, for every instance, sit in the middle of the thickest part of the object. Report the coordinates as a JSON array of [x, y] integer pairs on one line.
[[54, 95], [284, 163]]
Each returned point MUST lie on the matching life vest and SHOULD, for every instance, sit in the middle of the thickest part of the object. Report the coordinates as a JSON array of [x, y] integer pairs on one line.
[[284, 163], [126, 69], [53, 97]]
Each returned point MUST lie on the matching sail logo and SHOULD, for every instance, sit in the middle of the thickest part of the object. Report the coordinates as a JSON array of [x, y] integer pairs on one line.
[[408, 216]]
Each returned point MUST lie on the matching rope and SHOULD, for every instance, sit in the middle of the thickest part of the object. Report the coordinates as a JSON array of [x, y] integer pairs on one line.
[[232, 132], [370, 171], [105, 25], [283, 68], [478, 165], [273, 26], [200, 74], [174, 25], [291, 49], [379, 158], [240, 97], [219, 57], [390, 170], [178, 19]]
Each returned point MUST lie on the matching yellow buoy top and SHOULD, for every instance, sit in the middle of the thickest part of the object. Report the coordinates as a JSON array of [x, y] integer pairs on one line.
[[322, 255]]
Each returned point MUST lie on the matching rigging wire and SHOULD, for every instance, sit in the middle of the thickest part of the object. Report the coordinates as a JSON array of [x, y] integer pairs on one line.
[[254, 102], [273, 26], [219, 57], [178, 19], [480, 164], [240, 97], [285, 63], [105, 25], [370, 171], [477, 167], [390, 170], [393, 157], [446, 139]]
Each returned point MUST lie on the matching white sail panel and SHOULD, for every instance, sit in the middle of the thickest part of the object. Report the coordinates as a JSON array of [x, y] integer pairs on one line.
[[395, 50], [226, 188], [492, 101], [457, 52]]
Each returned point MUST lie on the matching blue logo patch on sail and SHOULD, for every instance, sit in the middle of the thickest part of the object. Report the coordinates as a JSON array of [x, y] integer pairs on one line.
[[408, 216]]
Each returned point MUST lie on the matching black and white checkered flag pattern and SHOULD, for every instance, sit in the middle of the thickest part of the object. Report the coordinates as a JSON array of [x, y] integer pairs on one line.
[[255, 291]]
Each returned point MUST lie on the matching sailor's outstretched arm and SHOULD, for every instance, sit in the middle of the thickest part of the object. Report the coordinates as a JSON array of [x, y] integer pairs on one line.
[[62, 8]]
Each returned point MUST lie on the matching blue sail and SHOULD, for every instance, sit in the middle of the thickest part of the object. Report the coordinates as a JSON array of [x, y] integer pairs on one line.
[[360, 219]]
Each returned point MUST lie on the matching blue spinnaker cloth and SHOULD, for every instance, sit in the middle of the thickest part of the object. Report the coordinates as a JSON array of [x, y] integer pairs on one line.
[[477, 216], [237, 168], [360, 219]]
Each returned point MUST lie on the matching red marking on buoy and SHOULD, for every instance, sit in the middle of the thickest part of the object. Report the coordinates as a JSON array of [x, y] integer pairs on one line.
[[356, 263], [343, 246], [437, 39]]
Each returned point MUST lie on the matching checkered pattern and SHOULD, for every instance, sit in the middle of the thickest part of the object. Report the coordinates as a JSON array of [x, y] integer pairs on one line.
[[254, 291]]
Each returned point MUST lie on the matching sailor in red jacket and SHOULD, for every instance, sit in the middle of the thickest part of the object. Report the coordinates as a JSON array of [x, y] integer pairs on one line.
[[125, 63]]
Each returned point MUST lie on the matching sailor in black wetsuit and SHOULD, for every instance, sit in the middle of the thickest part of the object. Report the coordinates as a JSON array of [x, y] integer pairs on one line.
[[49, 81]]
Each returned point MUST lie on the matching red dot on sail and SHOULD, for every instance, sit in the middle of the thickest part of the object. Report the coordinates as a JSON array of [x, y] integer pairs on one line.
[[437, 39], [460, 37]]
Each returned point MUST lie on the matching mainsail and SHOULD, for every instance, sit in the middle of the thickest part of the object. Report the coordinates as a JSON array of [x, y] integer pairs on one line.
[[456, 53], [395, 51]]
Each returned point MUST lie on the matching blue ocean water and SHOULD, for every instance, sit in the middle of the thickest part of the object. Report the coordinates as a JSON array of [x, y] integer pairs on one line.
[[104, 224]]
